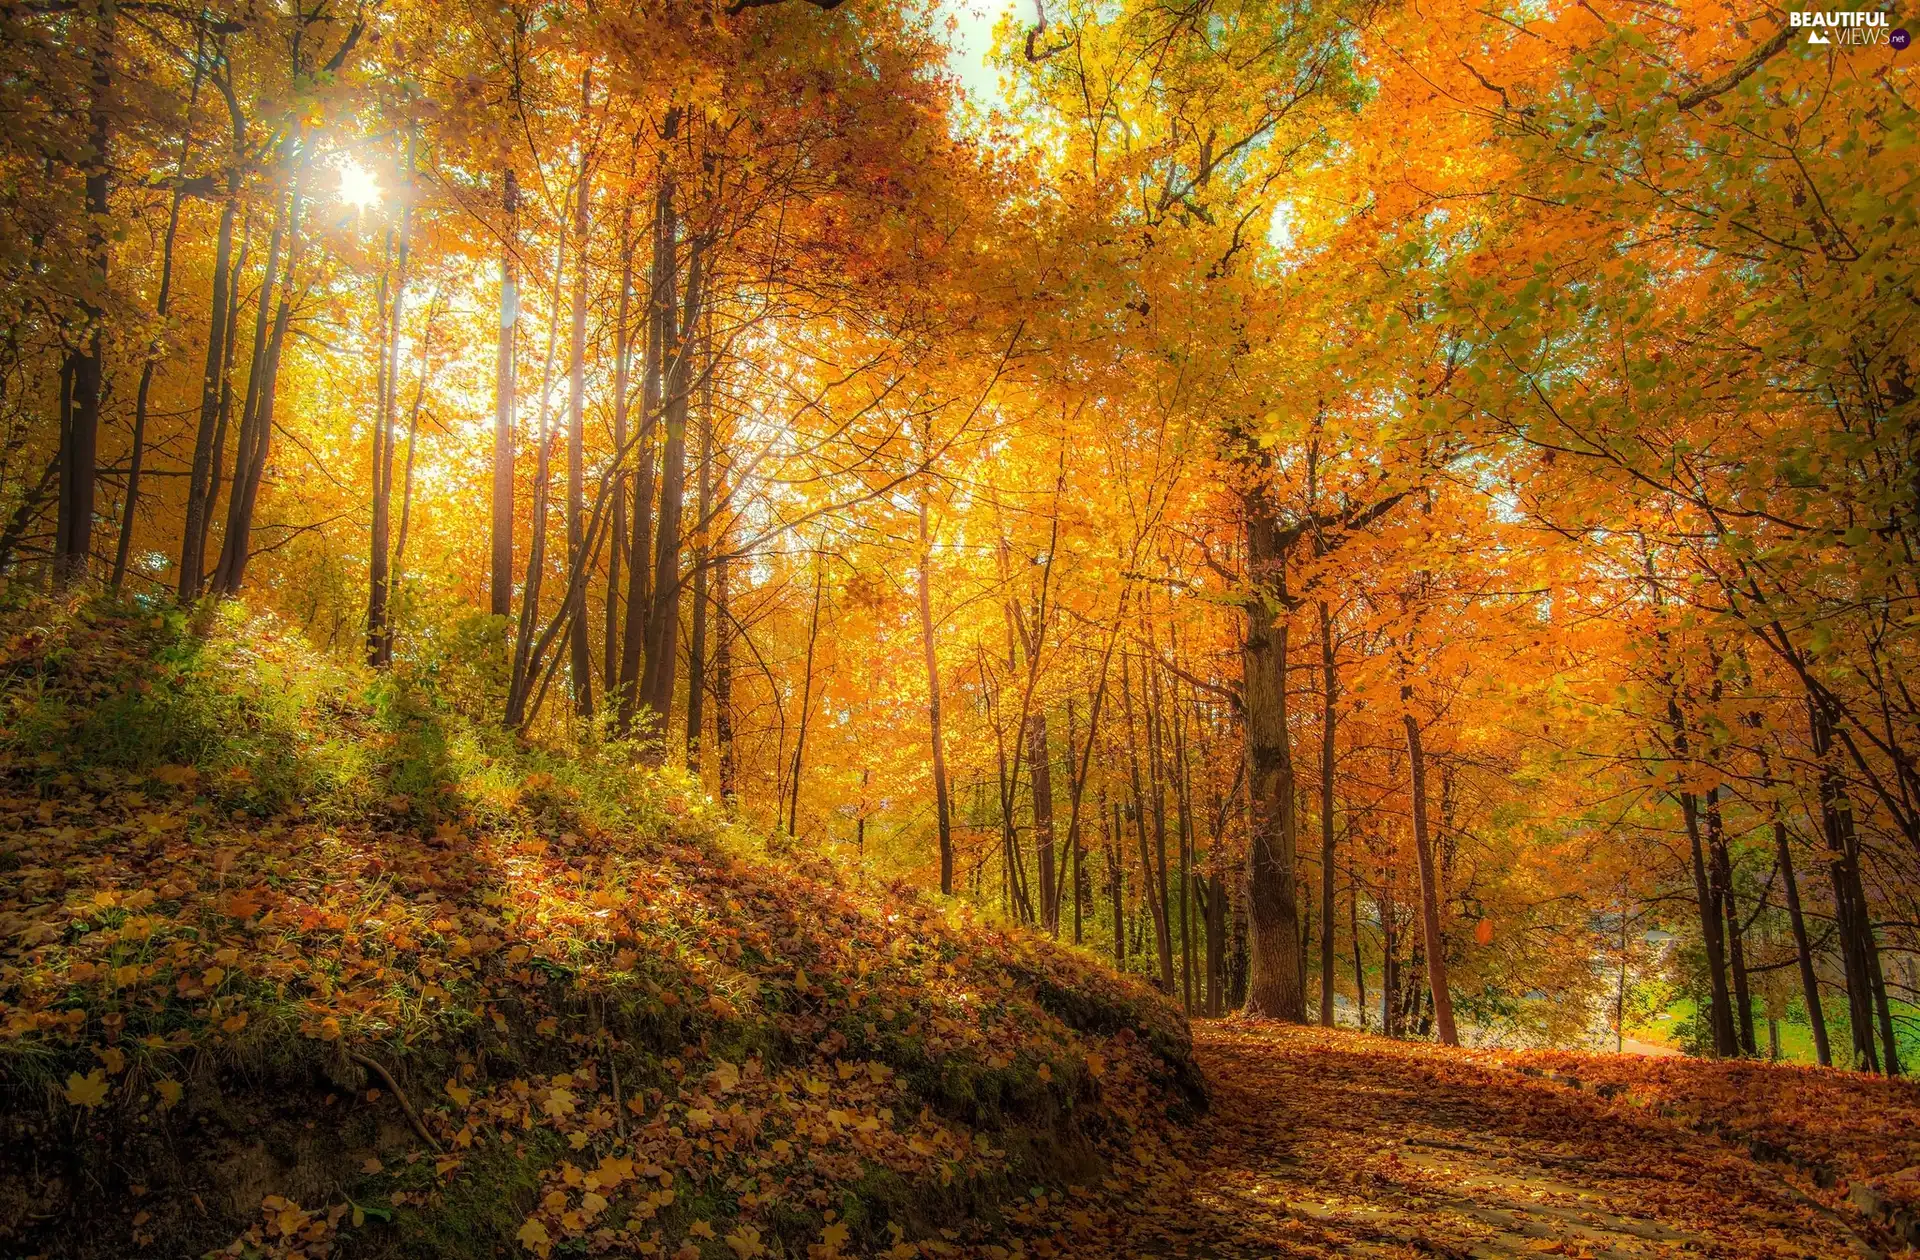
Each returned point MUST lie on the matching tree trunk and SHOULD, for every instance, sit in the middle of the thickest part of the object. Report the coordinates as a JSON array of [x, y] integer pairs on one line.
[[1359, 959], [663, 287], [697, 645], [1720, 1011], [663, 640], [379, 626], [1329, 694], [255, 442], [1809, 983], [723, 676], [1040, 762], [579, 651], [1273, 918], [193, 536], [520, 686], [942, 810], [622, 365], [806, 700], [1151, 891], [1433, 942], [500, 584], [1849, 898], [160, 308], [1722, 878], [80, 427]]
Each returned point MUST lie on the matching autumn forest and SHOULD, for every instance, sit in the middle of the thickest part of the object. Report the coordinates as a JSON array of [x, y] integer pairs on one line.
[[1119, 578]]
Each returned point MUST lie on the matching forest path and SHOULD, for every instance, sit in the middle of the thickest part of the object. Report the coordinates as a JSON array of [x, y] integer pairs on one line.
[[1323, 1144]]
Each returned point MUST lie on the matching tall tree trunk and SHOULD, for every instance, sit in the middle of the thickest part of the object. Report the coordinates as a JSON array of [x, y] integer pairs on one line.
[[199, 510], [1809, 982], [1151, 891], [255, 442], [500, 578], [80, 428], [1274, 988], [1720, 1011], [723, 675], [942, 810], [520, 685], [1722, 878], [806, 700], [697, 643], [580, 653], [379, 585], [663, 630], [1853, 918], [151, 362], [1434, 944], [1040, 772], [662, 292], [1116, 886], [622, 366], [1329, 695], [1183, 801], [1389, 953], [160, 309], [1359, 959]]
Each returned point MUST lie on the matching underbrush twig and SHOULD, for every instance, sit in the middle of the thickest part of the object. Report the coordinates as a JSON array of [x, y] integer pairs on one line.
[[400, 1096]]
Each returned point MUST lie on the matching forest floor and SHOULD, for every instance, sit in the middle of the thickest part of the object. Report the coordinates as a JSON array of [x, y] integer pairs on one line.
[[1336, 1143]]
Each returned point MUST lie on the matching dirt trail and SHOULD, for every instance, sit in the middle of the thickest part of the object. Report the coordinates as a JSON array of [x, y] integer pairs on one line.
[[1336, 1144]]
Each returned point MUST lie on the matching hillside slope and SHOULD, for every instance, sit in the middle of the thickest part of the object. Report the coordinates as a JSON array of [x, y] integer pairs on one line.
[[295, 962]]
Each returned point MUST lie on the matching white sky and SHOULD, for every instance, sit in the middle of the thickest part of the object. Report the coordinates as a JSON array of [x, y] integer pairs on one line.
[[970, 43]]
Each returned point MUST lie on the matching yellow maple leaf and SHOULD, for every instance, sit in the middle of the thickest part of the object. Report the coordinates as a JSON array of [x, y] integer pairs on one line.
[[700, 1229], [89, 1090], [460, 1094], [533, 1236], [169, 1092]]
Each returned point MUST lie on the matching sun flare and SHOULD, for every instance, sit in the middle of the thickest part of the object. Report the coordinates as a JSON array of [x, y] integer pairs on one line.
[[358, 187]]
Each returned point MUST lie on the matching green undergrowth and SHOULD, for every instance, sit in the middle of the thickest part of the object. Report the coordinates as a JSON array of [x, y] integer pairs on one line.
[[300, 960]]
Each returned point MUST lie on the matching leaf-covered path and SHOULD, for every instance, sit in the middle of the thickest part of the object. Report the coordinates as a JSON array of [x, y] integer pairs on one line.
[[1323, 1144]]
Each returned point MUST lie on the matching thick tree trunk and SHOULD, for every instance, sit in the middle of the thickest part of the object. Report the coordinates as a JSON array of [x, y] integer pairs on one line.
[[500, 577], [80, 427], [1433, 942], [1273, 917]]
